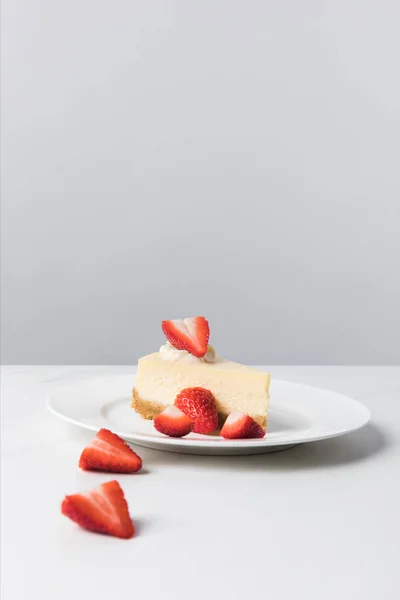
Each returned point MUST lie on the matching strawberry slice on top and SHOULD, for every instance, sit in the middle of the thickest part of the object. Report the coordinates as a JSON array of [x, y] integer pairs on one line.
[[189, 334], [239, 426], [103, 509], [108, 452]]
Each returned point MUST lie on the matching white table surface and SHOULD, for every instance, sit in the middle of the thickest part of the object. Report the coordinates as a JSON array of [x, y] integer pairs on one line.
[[320, 521]]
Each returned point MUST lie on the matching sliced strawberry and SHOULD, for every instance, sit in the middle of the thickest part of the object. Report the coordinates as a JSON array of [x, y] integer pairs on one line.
[[108, 452], [103, 509], [188, 334], [199, 404], [173, 422], [238, 425]]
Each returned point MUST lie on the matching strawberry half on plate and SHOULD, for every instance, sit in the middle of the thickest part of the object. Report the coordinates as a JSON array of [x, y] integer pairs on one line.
[[241, 426], [173, 422]]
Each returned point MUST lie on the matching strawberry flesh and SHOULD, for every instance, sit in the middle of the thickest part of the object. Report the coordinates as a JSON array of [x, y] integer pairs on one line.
[[199, 404], [103, 510], [108, 452], [173, 422], [191, 334], [239, 426]]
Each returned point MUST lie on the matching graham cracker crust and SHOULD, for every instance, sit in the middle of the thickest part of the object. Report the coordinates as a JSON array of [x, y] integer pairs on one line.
[[149, 410]]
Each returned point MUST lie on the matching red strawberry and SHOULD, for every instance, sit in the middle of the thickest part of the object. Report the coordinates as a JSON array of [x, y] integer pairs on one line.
[[173, 422], [199, 404], [188, 334], [108, 452], [238, 425], [103, 509]]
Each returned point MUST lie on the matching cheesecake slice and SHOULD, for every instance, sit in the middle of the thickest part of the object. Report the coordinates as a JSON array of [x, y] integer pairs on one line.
[[236, 387]]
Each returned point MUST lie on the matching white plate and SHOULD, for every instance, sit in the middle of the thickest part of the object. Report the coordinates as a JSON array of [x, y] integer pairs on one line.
[[298, 413]]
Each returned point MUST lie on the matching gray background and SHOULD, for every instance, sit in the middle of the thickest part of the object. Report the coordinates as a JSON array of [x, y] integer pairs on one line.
[[235, 159]]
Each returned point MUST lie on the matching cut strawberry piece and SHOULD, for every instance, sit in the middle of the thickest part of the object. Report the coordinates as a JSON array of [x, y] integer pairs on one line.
[[238, 425], [199, 404], [108, 452], [190, 334], [173, 422], [103, 509]]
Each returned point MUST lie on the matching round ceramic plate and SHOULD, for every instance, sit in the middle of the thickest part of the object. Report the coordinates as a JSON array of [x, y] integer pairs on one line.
[[297, 414]]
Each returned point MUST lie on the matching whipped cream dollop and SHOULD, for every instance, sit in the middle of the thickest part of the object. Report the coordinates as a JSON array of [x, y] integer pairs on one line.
[[168, 352]]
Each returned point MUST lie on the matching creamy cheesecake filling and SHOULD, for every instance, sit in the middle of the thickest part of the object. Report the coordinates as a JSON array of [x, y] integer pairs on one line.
[[235, 386]]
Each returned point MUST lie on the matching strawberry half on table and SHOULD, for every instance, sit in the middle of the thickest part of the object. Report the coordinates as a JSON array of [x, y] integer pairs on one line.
[[191, 334], [103, 510], [108, 452], [241, 426]]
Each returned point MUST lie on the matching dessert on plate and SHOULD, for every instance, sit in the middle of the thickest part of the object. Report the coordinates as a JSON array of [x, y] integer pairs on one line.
[[186, 360]]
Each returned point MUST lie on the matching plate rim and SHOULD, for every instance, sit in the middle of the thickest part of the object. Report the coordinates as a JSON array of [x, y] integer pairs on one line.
[[207, 444]]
